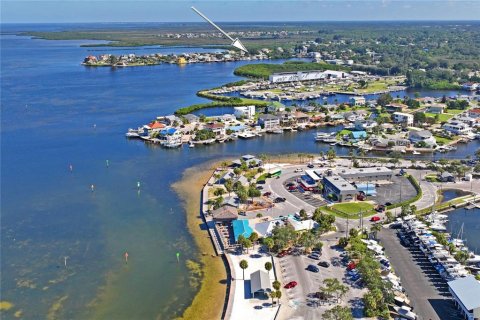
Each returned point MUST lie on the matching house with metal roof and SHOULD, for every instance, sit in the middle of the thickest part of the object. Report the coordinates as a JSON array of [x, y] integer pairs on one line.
[[466, 293]]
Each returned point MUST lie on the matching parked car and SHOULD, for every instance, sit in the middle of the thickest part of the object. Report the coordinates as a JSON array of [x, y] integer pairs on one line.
[[259, 187], [375, 218], [291, 284], [279, 199], [290, 184], [324, 264], [352, 265], [298, 170], [388, 204], [267, 194], [313, 268], [310, 165], [380, 208], [314, 256], [292, 188], [282, 254]]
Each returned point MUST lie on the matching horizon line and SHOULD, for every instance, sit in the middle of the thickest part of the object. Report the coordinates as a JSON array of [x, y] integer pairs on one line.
[[250, 21]]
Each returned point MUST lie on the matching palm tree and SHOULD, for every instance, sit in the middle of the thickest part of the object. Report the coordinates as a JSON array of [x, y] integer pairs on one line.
[[224, 164], [268, 267], [244, 265], [276, 285], [253, 237], [229, 186], [375, 229], [269, 243], [273, 295], [278, 294]]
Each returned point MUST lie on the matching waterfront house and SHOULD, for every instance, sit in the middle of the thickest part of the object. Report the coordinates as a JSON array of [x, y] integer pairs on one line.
[[268, 121], [357, 101], [466, 294], [155, 126], [367, 125], [217, 128], [244, 112], [470, 86], [275, 106], [260, 282], [405, 119], [286, 118], [302, 118], [424, 136], [170, 138], [395, 107], [457, 127], [358, 135], [436, 108], [474, 113], [191, 118]]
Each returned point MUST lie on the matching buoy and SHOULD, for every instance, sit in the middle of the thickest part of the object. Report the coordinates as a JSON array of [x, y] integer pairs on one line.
[[71, 168], [92, 187], [108, 163], [178, 257], [65, 260], [94, 126], [138, 184], [126, 257]]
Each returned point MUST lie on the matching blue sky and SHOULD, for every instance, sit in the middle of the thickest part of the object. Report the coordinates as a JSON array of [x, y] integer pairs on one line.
[[236, 10]]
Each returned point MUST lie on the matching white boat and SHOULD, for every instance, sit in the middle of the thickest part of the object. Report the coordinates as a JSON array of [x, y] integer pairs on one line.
[[415, 152], [191, 145], [132, 133], [277, 131], [246, 135]]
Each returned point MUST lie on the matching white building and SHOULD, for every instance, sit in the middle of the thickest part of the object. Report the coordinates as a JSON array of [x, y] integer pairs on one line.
[[403, 118], [466, 292], [457, 127], [307, 76], [269, 121], [474, 113], [357, 101], [244, 112]]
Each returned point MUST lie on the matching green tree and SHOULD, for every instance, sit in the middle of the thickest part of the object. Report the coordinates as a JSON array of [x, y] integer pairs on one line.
[[228, 186], [244, 265], [254, 238], [278, 294], [218, 192], [375, 229], [268, 267], [461, 256], [273, 295], [269, 243], [276, 285], [303, 214], [283, 236], [338, 313], [248, 244], [331, 154], [389, 216]]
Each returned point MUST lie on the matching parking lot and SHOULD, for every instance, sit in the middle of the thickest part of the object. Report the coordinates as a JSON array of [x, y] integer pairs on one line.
[[301, 300], [426, 289], [400, 189], [311, 198]]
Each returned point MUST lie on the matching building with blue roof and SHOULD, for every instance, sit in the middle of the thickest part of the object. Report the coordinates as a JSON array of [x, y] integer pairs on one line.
[[241, 227], [357, 135]]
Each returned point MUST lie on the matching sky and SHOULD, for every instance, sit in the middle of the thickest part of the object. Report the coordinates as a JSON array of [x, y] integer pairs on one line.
[[42, 11]]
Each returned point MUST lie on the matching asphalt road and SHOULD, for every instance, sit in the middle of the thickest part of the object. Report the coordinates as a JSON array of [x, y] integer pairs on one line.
[[427, 291]]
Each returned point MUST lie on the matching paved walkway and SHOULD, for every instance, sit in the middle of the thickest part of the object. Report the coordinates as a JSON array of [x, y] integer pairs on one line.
[[427, 291]]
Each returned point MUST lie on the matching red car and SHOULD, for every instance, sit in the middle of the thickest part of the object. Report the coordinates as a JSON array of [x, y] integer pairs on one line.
[[291, 284], [352, 265], [282, 254], [292, 188], [375, 218]]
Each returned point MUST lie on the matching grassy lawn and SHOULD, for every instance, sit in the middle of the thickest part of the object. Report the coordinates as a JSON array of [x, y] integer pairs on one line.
[[443, 117], [442, 140], [343, 132], [454, 111], [350, 209]]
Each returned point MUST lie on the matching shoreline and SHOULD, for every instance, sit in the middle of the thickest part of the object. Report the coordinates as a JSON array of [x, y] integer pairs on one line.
[[213, 279]]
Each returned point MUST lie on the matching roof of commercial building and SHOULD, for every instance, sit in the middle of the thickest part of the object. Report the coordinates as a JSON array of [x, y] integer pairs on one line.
[[340, 183], [225, 213], [467, 290], [364, 171], [241, 227], [259, 280]]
